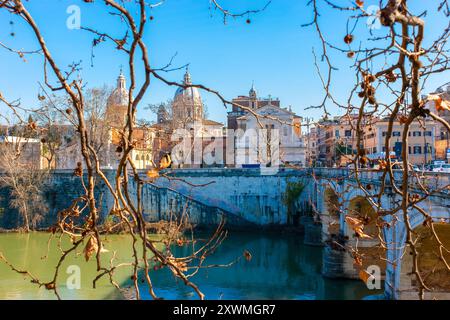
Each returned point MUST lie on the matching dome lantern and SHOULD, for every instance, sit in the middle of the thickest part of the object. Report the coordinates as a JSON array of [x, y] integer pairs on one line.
[[187, 77], [119, 96], [187, 102]]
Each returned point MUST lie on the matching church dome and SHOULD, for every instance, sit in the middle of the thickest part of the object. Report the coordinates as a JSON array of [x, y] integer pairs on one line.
[[119, 96], [189, 93]]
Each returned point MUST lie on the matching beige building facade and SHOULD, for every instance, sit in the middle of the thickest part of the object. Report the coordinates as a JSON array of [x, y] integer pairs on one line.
[[337, 141], [421, 141], [442, 138]]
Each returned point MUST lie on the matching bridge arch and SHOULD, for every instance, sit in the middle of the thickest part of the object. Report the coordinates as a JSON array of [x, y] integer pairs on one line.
[[401, 283], [360, 208], [433, 270]]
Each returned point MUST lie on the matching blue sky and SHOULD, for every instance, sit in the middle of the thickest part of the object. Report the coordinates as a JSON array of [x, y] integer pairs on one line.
[[273, 50]]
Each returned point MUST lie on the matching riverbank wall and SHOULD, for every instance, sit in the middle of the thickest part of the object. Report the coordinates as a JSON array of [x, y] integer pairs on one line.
[[246, 197]]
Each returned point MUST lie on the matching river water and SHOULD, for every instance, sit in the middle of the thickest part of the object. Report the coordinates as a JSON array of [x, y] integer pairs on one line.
[[281, 268]]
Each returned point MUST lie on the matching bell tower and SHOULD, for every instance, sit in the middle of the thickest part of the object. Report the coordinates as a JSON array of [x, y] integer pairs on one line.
[[117, 108]]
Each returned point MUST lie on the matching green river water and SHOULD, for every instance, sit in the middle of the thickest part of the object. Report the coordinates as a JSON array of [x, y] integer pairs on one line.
[[281, 268]]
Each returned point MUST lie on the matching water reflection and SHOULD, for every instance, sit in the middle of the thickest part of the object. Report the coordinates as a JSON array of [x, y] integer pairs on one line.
[[28, 251], [281, 268]]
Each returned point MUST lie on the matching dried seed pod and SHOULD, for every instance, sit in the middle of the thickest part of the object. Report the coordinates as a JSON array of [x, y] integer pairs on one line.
[[391, 77], [348, 39], [78, 170], [387, 17]]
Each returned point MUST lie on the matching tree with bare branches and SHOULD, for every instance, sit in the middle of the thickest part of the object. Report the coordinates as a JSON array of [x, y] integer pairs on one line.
[[20, 172], [127, 207]]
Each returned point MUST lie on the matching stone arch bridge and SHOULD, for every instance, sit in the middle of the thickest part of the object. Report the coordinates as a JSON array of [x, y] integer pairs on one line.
[[339, 196]]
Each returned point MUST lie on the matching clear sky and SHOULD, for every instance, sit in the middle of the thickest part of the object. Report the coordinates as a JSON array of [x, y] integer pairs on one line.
[[273, 50]]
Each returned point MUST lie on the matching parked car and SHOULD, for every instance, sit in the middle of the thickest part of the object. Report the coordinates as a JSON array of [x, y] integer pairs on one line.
[[399, 166], [441, 168]]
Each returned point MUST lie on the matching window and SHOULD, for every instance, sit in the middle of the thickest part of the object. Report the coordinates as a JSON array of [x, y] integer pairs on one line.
[[336, 133], [348, 133], [417, 134], [417, 150], [374, 150], [427, 134], [396, 134]]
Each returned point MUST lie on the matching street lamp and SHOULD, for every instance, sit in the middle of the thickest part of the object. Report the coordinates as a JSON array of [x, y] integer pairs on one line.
[[308, 132]]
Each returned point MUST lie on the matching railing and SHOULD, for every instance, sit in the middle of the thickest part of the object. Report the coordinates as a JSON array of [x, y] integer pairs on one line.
[[431, 180]]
